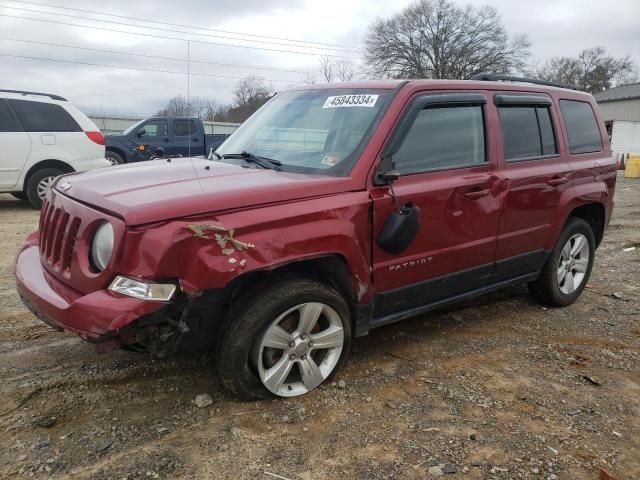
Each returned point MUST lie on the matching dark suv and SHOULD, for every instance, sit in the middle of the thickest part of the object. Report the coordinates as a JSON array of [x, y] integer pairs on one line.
[[333, 210]]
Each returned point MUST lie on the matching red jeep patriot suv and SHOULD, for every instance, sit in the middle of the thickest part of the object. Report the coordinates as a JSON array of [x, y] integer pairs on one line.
[[333, 210]]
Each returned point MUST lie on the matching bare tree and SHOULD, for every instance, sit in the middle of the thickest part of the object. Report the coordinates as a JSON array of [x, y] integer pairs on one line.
[[251, 90], [179, 106], [336, 70], [249, 95], [593, 70], [437, 39]]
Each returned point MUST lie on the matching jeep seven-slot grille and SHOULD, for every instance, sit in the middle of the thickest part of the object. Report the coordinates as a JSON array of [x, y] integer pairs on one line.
[[58, 232]]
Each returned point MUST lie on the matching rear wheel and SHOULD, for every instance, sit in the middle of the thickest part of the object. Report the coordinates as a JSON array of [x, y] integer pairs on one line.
[[567, 270], [39, 183], [114, 158], [283, 340]]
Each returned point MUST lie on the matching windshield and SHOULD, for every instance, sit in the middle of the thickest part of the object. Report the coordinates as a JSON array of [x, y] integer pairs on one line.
[[133, 127], [311, 131]]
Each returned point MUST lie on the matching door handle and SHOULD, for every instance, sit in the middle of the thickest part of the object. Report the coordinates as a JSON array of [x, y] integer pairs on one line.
[[195, 139], [475, 194], [166, 140], [557, 181]]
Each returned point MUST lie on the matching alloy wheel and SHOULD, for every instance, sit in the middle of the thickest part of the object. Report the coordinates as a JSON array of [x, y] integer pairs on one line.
[[573, 265], [300, 349], [44, 185]]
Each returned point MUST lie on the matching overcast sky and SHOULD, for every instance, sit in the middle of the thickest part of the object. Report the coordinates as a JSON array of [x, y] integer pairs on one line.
[[555, 27]]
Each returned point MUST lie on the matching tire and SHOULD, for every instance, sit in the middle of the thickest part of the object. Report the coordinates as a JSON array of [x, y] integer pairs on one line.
[[20, 196], [243, 354], [568, 268], [114, 158], [36, 185]]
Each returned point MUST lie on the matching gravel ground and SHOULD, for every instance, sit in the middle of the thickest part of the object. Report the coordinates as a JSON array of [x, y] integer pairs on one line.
[[495, 388]]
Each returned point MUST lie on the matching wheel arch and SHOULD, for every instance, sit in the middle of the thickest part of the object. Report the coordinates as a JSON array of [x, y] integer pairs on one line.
[[331, 269], [594, 215], [49, 163], [117, 150]]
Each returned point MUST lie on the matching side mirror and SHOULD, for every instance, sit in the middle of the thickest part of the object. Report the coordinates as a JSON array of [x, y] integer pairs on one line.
[[140, 132], [387, 173], [400, 229]]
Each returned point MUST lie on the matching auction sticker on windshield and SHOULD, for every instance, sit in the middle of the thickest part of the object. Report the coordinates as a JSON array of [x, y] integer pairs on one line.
[[351, 101]]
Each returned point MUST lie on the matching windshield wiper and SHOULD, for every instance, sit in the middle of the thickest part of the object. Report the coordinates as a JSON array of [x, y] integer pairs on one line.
[[264, 162]]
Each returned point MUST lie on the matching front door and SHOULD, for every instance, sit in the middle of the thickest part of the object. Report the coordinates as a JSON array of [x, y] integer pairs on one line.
[[155, 133], [447, 171], [15, 147]]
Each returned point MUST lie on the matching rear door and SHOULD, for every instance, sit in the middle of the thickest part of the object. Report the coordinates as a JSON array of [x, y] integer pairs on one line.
[[448, 171], [15, 146], [188, 139], [535, 174]]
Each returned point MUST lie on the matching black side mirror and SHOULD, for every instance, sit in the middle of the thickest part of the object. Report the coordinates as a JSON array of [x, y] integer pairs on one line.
[[140, 132], [400, 229], [387, 173]]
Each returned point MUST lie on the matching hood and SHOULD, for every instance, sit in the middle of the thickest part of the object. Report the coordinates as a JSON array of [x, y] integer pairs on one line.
[[159, 190]]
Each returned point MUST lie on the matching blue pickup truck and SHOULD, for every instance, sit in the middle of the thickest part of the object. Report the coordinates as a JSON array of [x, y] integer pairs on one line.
[[166, 136]]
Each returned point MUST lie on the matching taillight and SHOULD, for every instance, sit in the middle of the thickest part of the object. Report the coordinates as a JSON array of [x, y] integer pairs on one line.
[[96, 137]]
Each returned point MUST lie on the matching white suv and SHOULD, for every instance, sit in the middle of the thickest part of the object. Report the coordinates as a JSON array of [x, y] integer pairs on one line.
[[43, 136]]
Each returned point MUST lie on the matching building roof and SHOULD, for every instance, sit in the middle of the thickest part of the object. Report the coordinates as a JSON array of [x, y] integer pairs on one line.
[[623, 92]]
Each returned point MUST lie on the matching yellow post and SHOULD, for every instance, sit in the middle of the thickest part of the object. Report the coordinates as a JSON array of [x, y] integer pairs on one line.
[[632, 169]]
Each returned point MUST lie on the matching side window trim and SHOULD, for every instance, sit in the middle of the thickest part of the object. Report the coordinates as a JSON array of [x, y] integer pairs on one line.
[[536, 102], [430, 100], [564, 122], [437, 100]]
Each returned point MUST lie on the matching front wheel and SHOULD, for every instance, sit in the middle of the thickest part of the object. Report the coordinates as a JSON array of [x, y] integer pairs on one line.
[[114, 158], [283, 340], [567, 270]]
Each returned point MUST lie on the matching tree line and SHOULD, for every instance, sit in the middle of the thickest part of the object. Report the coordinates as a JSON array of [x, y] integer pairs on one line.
[[434, 39]]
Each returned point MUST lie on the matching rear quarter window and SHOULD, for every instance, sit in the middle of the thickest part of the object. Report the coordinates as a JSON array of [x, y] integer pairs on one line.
[[44, 117], [582, 126]]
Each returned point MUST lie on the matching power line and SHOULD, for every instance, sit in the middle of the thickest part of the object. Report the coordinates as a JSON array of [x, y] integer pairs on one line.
[[164, 37], [142, 55], [164, 29], [348, 47], [142, 69]]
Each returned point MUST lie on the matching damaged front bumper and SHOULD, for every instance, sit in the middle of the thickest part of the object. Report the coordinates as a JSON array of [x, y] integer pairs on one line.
[[97, 316]]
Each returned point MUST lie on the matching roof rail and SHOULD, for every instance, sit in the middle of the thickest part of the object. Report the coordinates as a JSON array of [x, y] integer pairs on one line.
[[52, 97], [489, 77]]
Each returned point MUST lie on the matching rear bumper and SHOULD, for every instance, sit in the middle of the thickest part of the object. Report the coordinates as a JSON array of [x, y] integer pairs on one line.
[[96, 316]]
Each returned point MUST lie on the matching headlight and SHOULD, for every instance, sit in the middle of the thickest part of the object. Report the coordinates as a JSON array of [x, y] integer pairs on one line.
[[142, 290], [102, 246]]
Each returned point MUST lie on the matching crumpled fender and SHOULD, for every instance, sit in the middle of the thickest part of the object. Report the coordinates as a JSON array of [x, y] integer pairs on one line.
[[208, 252]]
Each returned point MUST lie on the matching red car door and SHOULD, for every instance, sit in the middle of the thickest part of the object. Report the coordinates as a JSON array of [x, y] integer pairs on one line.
[[448, 171], [535, 173]]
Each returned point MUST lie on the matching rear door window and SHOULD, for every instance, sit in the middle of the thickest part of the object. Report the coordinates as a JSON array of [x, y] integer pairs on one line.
[[582, 127], [442, 138], [44, 117], [8, 121], [184, 128], [527, 132]]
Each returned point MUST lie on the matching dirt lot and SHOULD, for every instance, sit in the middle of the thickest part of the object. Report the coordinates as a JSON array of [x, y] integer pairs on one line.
[[495, 388]]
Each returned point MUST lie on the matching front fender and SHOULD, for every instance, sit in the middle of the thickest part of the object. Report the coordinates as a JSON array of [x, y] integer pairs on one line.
[[208, 252]]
